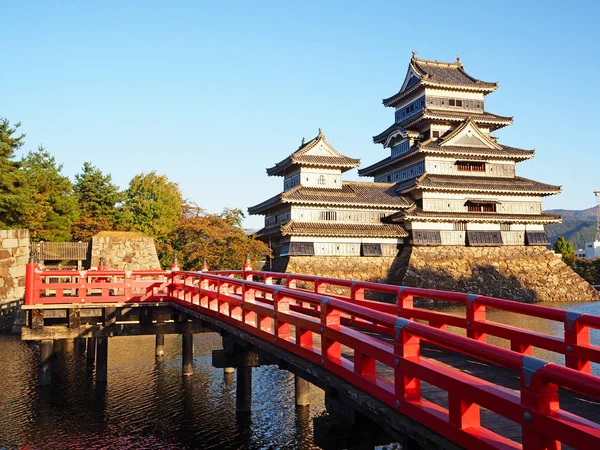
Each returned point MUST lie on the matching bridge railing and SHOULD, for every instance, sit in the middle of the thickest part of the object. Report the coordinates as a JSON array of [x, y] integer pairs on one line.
[[575, 343], [310, 324], [94, 286]]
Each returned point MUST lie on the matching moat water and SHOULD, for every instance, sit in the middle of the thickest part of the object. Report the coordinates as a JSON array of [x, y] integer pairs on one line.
[[147, 404]]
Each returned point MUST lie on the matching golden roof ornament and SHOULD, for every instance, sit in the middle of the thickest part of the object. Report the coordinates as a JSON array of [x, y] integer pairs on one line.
[[320, 133]]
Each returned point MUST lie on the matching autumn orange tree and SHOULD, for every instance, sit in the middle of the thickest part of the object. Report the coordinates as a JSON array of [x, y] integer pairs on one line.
[[217, 239]]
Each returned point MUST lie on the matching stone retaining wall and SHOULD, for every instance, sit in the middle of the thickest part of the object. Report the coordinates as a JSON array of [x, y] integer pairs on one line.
[[527, 274], [124, 251], [14, 255]]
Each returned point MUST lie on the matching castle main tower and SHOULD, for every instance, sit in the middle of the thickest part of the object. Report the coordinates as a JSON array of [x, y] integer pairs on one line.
[[460, 181]]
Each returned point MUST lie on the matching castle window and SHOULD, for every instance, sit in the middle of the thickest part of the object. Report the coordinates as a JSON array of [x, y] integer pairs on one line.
[[436, 134], [460, 226], [322, 180], [481, 206], [459, 103], [470, 166], [451, 102], [328, 215]]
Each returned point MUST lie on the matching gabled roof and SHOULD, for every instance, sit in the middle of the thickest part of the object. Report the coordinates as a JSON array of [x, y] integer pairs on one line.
[[352, 194], [492, 185], [394, 130], [447, 75], [316, 152], [417, 214], [468, 134]]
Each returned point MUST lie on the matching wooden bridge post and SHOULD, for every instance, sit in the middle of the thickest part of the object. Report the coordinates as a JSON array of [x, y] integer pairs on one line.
[[302, 388], [46, 362], [159, 350], [91, 349], [243, 389], [102, 360], [187, 352], [81, 344]]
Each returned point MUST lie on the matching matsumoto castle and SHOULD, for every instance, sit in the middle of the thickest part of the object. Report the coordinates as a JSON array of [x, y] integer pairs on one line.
[[447, 179]]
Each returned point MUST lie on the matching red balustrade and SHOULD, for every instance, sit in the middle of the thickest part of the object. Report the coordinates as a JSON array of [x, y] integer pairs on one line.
[[575, 344], [94, 286], [336, 333]]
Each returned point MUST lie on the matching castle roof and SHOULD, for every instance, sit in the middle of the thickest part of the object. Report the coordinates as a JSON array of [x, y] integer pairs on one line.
[[352, 194], [417, 214], [493, 121], [316, 152], [445, 75], [492, 185], [431, 147], [340, 229]]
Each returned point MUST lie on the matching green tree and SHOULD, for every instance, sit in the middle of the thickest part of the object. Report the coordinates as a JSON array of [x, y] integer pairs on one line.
[[10, 176], [48, 204], [217, 239], [99, 203], [156, 208], [563, 247]]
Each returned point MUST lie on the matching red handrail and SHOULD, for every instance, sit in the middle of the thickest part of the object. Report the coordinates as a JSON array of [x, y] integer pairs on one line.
[[575, 345]]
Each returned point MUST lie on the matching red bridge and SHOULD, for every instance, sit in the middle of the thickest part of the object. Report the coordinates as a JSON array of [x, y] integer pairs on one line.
[[426, 375]]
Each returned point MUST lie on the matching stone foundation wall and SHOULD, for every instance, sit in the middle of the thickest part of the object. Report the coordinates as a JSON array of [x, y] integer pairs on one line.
[[527, 274], [124, 251], [14, 255]]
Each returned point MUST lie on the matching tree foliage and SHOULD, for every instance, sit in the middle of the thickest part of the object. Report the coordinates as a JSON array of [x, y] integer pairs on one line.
[[10, 176], [155, 203], [99, 204], [217, 239], [156, 208], [563, 247], [48, 206]]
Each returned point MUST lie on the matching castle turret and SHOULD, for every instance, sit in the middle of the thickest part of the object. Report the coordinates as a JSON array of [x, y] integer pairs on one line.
[[320, 214]]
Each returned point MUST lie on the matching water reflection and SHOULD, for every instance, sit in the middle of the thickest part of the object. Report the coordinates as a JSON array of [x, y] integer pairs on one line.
[[146, 403]]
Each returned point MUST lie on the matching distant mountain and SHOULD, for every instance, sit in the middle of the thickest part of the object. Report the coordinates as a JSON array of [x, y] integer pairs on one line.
[[575, 214], [578, 226]]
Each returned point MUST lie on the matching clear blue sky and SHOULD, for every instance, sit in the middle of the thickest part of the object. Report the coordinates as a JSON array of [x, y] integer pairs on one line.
[[211, 94]]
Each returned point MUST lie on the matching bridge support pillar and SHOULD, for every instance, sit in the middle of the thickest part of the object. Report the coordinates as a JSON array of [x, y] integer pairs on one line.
[[302, 391], [187, 353], [101, 359], [159, 351], [91, 349], [46, 363], [80, 343], [243, 390]]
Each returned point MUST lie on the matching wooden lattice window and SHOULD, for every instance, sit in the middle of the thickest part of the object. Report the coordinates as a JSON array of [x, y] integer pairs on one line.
[[328, 215], [481, 207], [470, 166]]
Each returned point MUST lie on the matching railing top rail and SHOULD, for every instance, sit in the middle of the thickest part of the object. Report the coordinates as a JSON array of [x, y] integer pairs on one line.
[[543, 312]]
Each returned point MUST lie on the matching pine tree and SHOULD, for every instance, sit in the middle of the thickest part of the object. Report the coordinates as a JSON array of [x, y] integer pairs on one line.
[[10, 176], [48, 206], [99, 203]]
